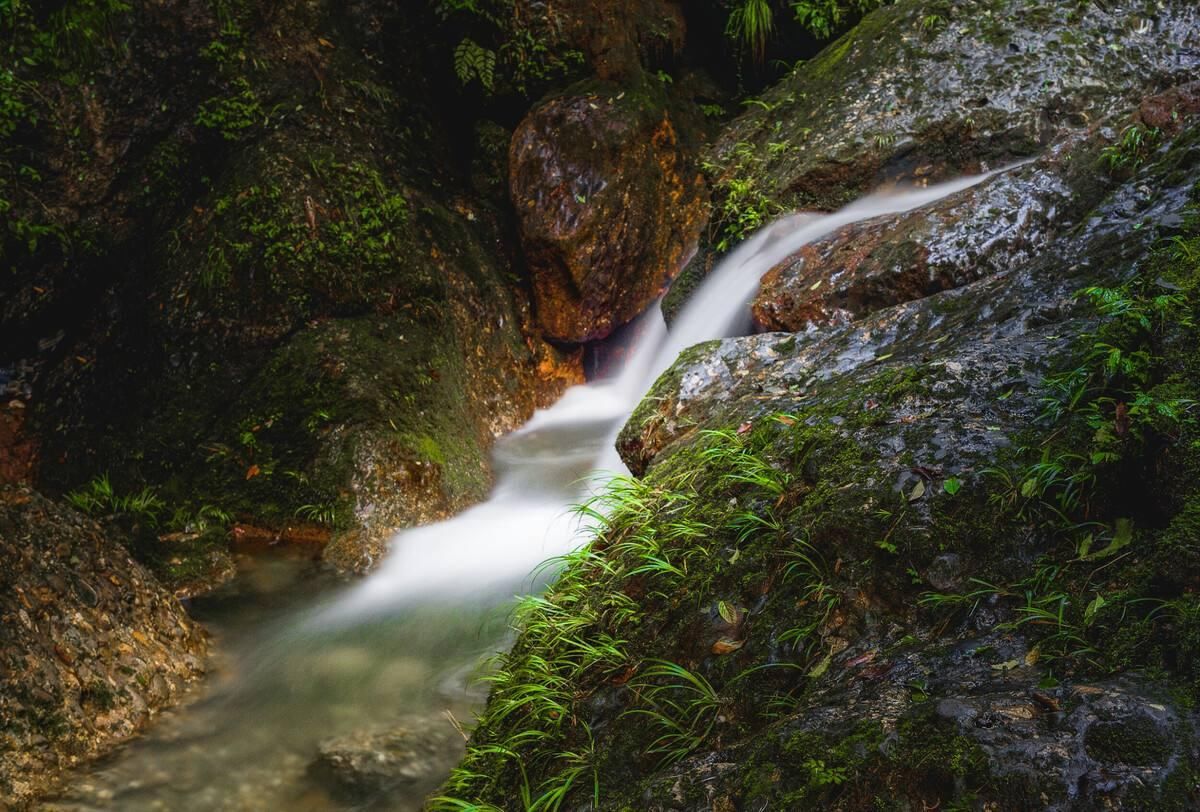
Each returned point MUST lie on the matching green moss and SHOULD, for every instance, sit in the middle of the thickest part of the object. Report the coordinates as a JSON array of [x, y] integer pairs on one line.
[[301, 239], [234, 115], [1138, 741], [830, 58]]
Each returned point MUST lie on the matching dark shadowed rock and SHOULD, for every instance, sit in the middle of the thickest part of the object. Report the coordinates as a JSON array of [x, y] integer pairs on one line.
[[616, 42], [255, 291], [608, 204]]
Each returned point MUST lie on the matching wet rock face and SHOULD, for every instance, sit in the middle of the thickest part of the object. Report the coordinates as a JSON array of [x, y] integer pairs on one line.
[[924, 90], [906, 408], [886, 261], [1105, 745], [916, 391], [90, 645], [608, 205]]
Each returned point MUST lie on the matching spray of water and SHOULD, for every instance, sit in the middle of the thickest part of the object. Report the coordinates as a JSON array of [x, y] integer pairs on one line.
[[487, 552]]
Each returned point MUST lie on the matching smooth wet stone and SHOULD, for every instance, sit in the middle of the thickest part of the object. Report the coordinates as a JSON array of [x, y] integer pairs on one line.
[[414, 754]]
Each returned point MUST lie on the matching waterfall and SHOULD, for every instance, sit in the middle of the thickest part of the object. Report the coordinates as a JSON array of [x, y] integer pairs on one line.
[[402, 643], [488, 551]]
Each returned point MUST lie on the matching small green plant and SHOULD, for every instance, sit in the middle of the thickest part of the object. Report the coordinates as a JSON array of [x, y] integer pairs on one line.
[[233, 115], [682, 706], [99, 498], [751, 23], [933, 23], [323, 514], [199, 521], [820, 775], [473, 61], [824, 17], [1132, 149]]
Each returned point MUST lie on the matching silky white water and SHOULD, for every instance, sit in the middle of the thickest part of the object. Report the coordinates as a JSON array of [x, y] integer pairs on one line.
[[552, 461], [305, 660]]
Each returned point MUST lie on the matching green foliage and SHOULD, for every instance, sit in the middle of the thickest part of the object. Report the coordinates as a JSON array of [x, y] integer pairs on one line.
[[323, 514], [1109, 419], [473, 61], [503, 50], [649, 541], [752, 22], [933, 22], [824, 17], [742, 203], [234, 115], [820, 775], [40, 44], [99, 498], [298, 252], [68, 38], [682, 708], [1136, 143]]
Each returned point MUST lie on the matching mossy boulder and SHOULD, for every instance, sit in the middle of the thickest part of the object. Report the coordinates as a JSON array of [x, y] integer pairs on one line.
[[928, 89], [299, 318]]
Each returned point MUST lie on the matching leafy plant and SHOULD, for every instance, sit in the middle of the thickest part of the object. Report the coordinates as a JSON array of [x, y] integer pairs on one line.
[[1132, 148], [235, 114], [751, 23], [99, 498], [682, 707], [473, 61], [324, 514]]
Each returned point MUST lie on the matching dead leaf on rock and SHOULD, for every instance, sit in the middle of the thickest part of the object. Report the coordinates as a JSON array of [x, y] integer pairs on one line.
[[726, 645]]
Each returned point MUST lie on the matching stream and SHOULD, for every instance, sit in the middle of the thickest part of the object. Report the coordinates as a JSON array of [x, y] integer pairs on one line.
[[304, 659]]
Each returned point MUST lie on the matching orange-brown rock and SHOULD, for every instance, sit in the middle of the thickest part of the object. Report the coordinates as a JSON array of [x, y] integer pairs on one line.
[[609, 206], [18, 452], [889, 260]]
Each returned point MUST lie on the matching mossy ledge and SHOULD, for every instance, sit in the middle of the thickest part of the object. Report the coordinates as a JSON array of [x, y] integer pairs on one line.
[[879, 568]]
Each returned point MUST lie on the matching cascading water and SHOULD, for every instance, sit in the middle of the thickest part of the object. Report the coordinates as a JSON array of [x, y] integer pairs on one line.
[[403, 641], [541, 467]]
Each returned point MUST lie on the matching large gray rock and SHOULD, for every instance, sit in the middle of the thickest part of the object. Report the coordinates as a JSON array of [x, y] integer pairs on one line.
[[925, 89], [885, 582]]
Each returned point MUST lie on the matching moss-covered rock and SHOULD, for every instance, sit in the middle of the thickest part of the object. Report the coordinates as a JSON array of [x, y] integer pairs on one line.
[[897, 563], [928, 89], [297, 315]]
